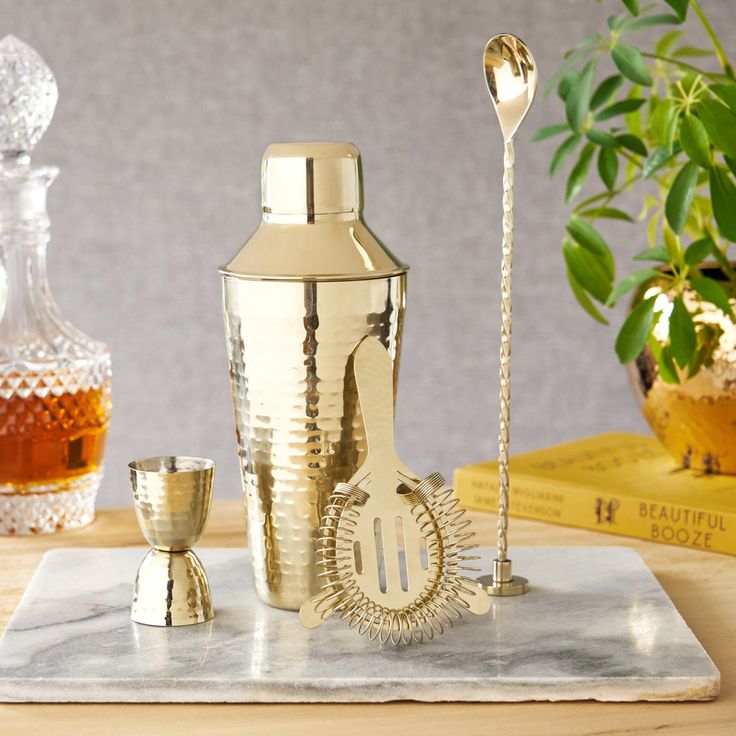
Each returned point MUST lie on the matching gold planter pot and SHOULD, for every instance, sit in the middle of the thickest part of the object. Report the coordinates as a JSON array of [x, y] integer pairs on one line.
[[304, 290], [695, 419]]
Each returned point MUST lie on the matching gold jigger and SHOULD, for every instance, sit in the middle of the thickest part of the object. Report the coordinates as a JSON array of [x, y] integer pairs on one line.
[[173, 496]]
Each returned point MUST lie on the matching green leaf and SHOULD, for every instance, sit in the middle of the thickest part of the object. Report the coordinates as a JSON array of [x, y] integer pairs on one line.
[[619, 108], [566, 84], [694, 141], [688, 82], [658, 158], [653, 225], [672, 244], [663, 122], [667, 42], [722, 261], [693, 52], [658, 253], [697, 251], [616, 21], [586, 41], [579, 173], [608, 167], [588, 237], [589, 270], [630, 282], [563, 151], [682, 333], [632, 143], [601, 138], [632, 6], [549, 130], [584, 300], [700, 213], [723, 195], [576, 103], [667, 369], [707, 344], [680, 7], [680, 197], [727, 92], [568, 67], [605, 90], [649, 202], [610, 213], [633, 120], [702, 206], [720, 123], [630, 63], [731, 163], [650, 20], [712, 292], [635, 330]]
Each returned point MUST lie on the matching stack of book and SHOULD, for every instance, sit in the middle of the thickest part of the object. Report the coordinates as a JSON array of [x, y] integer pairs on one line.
[[619, 483]]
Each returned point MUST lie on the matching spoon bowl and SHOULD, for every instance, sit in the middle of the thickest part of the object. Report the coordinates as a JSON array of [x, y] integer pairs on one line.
[[511, 75]]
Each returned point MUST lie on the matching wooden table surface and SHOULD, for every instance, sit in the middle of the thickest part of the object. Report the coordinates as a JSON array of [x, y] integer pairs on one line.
[[702, 586]]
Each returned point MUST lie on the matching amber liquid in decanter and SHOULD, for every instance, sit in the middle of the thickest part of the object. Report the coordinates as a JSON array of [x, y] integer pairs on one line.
[[54, 379], [53, 439]]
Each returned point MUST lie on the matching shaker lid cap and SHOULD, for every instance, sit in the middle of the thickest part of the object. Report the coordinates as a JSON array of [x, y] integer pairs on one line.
[[311, 179], [315, 190]]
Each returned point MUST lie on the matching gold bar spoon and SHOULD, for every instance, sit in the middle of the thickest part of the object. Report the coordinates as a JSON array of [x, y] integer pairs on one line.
[[511, 76]]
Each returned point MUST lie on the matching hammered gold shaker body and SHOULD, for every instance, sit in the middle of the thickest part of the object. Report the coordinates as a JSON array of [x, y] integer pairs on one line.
[[304, 290]]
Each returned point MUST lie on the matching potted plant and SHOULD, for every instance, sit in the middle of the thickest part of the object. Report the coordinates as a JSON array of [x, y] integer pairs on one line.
[[660, 122]]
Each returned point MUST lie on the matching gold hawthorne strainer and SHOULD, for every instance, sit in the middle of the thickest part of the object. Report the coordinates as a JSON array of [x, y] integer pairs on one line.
[[392, 548]]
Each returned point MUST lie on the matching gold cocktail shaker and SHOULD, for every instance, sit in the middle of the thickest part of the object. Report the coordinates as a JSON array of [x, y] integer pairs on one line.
[[304, 290]]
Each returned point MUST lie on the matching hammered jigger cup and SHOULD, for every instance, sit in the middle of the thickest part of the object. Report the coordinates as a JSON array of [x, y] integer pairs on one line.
[[173, 497]]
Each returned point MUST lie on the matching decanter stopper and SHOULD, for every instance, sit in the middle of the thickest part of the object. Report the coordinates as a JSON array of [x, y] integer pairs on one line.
[[28, 95]]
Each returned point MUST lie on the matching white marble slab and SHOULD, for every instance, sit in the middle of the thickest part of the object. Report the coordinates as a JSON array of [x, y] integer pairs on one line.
[[595, 625]]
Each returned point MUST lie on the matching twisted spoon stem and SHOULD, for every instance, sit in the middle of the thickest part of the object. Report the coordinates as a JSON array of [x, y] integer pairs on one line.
[[505, 362]]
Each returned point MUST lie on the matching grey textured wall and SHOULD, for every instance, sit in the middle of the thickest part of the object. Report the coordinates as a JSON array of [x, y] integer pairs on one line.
[[165, 108]]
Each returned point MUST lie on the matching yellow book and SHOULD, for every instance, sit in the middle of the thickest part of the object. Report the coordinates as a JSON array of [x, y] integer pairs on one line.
[[618, 483]]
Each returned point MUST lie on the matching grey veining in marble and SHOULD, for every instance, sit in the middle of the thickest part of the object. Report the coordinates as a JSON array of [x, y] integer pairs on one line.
[[596, 625]]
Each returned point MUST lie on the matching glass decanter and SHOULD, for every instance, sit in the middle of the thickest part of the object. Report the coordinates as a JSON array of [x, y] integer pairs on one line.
[[54, 380]]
